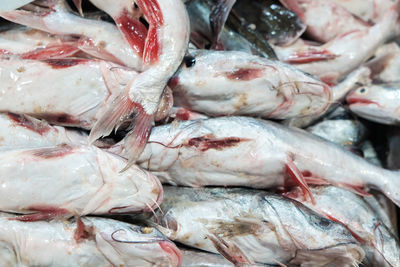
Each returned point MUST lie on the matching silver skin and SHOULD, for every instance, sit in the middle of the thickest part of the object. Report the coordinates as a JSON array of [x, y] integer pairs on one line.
[[377, 102], [237, 83], [81, 180], [196, 258], [248, 226], [342, 132], [258, 154], [381, 246], [110, 243]]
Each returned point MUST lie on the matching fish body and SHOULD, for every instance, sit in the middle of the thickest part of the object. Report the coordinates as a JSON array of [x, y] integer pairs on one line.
[[196, 258], [73, 180], [108, 243], [239, 151], [248, 226], [381, 246], [236, 83]]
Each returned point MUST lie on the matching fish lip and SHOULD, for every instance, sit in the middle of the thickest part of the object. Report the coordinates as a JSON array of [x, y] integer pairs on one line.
[[173, 251], [361, 101]]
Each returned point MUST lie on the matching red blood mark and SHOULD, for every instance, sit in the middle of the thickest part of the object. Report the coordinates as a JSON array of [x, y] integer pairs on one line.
[[27, 123], [52, 52], [44, 212], [183, 114], [134, 31], [310, 56], [5, 52], [244, 74], [83, 232], [355, 100], [52, 152], [329, 80], [316, 181], [154, 16], [205, 143], [64, 62], [59, 118], [173, 82], [173, 251], [356, 236]]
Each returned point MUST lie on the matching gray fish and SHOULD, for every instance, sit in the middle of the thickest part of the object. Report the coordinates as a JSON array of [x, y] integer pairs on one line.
[[381, 246], [248, 227]]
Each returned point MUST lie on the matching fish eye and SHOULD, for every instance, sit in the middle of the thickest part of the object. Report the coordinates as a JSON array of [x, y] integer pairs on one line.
[[189, 61], [324, 223], [363, 90]]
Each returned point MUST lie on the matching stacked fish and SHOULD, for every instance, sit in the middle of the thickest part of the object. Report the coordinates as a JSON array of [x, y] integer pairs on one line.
[[103, 101]]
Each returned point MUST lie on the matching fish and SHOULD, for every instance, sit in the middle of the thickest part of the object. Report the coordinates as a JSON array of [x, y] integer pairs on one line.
[[98, 38], [105, 242], [381, 246], [80, 180], [165, 46], [376, 102], [332, 61], [254, 227], [235, 83], [23, 132], [324, 19], [242, 151]]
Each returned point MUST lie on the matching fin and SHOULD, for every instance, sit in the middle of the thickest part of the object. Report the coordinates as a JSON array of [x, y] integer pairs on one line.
[[316, 181], [56, 51], [78, 5], [232, 253], [82, 231], [87, 46], [27, 18], [310, 55], [298, 178], [43, 213], [133, 30], [218, 17], [359, 190]]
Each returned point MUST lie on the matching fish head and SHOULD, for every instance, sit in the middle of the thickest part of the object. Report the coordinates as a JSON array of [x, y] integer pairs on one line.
[[322, 237], [376, 102], [138, 246], [138, 191]]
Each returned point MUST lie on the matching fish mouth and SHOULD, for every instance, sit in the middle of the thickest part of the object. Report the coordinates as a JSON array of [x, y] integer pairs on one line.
[[360, 101], [174, 253]]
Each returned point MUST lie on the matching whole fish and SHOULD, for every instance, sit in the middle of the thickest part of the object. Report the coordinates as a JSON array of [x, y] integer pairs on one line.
[[105, 243], [98, 38], [165, 46], [22, 131], [325, 20], [236, 83], [79, 89], [377, 102], [381, 246], [240, 151], [345, 52], [80, 180], [250, 227]]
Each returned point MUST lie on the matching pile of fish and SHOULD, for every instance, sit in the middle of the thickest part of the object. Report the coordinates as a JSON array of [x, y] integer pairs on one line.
[[199, 133]]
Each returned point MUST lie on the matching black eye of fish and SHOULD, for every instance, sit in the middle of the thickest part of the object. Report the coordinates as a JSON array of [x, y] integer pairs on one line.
[[189, 61], [362, 90], [324, 222]]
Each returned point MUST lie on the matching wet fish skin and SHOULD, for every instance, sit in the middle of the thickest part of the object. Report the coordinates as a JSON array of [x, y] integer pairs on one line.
[[381, 246], [109, 243], [236, 83], [240, 151], [83, 180], [376, 102], [195, 258], [254, 225]]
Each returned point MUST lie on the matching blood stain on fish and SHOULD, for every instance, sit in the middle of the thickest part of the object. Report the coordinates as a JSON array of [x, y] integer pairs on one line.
[[64, 63], [244, 74], [52, 152], [205, 143], [40, 128]]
